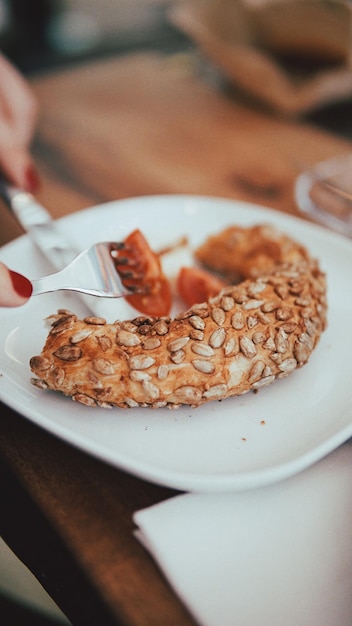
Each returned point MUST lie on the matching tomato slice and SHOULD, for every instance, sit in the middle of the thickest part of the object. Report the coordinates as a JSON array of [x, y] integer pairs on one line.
[[196, 285], [147, 267]]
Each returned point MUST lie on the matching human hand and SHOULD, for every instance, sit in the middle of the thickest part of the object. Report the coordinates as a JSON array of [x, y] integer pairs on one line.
[[15, 289], [18, 118]]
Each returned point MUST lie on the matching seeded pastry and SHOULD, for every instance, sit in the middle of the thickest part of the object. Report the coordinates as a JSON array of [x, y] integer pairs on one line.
[[246, 337]]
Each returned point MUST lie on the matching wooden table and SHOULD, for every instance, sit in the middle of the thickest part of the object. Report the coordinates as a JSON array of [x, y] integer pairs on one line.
[[133, 125]]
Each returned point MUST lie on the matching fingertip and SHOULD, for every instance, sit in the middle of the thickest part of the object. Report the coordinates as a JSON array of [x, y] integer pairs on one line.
[[31, 179], [21, 285], [15, 289]]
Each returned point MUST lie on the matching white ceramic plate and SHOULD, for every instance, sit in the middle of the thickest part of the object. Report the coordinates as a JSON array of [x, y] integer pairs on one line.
[[236, 444]]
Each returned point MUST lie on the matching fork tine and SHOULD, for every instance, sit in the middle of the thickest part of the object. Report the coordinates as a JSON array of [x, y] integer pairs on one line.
[[136, 289], [121, 260], [115, 246], [129, 274], [94, 271], [128, 268], [124, 267]]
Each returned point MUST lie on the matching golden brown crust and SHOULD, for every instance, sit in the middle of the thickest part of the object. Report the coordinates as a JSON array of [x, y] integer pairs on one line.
[[239, 253], [244, 338]]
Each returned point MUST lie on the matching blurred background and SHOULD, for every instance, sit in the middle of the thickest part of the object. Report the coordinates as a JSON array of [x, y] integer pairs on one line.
[[42, 34]]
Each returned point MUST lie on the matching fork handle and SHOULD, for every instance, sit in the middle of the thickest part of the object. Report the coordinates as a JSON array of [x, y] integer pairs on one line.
[[47, 284]]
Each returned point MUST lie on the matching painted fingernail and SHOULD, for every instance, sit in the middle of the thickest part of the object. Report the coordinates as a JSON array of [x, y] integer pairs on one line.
[[32, 181], [21, 284]]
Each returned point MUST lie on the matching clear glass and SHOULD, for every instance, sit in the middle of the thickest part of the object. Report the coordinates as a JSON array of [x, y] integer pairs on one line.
[[324, 193]]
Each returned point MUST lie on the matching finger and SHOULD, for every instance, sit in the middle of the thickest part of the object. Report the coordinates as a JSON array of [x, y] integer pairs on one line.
[[18, 168], [15, 289], [18, 103]]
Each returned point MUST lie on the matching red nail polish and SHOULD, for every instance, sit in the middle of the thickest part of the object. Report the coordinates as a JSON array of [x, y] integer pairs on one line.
[[32, 181], [21, 284]]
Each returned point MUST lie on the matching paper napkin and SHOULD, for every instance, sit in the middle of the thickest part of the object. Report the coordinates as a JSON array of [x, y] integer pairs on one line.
[[275, 556]]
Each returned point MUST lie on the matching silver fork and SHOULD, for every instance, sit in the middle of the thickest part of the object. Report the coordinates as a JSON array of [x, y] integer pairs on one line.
[[100, 270], [54, 245]]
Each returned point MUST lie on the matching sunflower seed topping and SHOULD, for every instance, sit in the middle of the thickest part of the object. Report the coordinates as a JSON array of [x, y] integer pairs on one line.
[[237, 320], [247, 347], [283, 313], [206, 367], [177, 344], [253, 304], [132, 404], [255, 288], [163, 371], [281, 342], [217, 338], [68, 353], [150, 343], [203, 349], [230, 346], [187, 394], [141, 362], [263, 382], [40, 363], [197, 322], [215, 392], [80, 336], [218, 315], [127, 339], [288, 365], [99, 321], [104, 342], [82, 398], [270, 306], [258, 337], [152, 391], [197, 335], [252, 321], [137, 376], [178, 356], [161, 327], [103, 366], [227, 303], [39, 383], [58, 375], [256, 371], [270, 344]]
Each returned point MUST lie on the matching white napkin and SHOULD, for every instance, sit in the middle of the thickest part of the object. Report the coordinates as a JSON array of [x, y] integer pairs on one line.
[[277, 556]]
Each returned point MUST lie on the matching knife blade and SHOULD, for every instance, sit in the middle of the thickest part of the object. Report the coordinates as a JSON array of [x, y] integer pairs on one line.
[[39, 225]]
